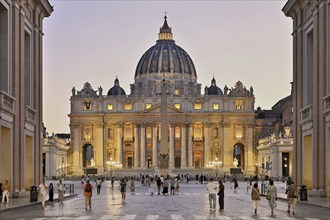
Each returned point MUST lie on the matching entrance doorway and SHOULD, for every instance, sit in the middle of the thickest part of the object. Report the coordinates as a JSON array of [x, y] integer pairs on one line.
[[88, 156]]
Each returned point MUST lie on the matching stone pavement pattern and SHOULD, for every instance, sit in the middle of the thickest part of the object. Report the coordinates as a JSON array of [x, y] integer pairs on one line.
[[191, 203]]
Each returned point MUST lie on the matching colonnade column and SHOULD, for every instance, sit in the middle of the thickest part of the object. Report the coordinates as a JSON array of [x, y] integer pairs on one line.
[[136, 146], [143, 146], [154, 146], [120, 143], [171, 156], [190, 153], [206, 144], [183, 146]]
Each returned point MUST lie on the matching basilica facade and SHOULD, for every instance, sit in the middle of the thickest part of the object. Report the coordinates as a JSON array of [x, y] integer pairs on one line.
[[206, 129]]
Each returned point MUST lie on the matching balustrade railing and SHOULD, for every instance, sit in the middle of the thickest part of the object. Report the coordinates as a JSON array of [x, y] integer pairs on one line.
[[306, 113], [7, 101]]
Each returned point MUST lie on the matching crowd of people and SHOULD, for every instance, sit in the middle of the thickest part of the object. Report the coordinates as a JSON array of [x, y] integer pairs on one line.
[[170, 186]]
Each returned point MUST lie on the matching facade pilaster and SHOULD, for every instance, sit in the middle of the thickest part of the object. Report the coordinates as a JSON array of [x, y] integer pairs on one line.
[[190, 153], [154, 147], [76, 157], [183, 146], [171, 156], [206, 144], [120, 143], [136, 146], [143, 146]]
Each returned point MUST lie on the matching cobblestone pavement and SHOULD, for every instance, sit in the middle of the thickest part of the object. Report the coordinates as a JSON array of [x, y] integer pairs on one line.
[[191, 203]]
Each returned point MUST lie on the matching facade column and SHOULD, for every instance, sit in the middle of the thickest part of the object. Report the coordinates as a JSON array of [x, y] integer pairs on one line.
[[154, 147], [183, 146], [190, 153], [171, 156], [143, 146], [206, 144], [120, 143], [136, 146], [77, 163]]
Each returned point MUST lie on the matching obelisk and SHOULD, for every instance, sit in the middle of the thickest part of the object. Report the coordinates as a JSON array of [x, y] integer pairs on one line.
[[163, 151]]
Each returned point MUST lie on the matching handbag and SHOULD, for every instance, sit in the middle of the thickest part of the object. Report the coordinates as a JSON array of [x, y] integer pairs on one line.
[[268, 197]]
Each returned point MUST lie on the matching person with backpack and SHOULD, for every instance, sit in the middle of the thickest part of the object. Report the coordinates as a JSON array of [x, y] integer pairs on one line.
[[292, 196], [255, 196], [88, 192]]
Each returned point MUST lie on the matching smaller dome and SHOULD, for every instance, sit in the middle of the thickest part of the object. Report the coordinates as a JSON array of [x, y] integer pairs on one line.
[[214, 89], [116, 89]]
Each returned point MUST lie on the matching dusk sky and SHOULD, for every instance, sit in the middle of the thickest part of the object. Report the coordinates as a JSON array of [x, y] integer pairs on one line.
[[95, 41]]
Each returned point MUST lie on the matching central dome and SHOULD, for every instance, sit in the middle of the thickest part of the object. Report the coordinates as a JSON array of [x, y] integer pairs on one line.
[[165, 56]]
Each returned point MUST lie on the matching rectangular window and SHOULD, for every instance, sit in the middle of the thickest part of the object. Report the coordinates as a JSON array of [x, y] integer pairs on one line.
[[110, 107], [128, 106], [177, 132], [27, 69], [198, 105], [215, 106], [308, 79], [148, 105], [177, 92], [238, 104], [4, 52], [87, 105], [177, 105]]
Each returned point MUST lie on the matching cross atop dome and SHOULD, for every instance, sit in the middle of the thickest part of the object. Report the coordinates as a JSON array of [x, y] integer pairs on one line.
[[165, 32]]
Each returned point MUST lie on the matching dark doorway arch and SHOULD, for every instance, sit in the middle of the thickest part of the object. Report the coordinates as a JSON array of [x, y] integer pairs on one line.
[[88, 155], [238, 153]]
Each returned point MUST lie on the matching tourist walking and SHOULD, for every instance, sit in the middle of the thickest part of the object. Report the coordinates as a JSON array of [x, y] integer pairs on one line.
[[98, 186], [235, 185], [5, 192], [88, 193], [165, 186], [132, 186], [43, 192], [172, 185], [221, 195], [122, 186], [177, 186], [159, 184], [271, 196], [212, 190], [60, 191], [112, 183], [151, 186], [51, 193], [292, 197], [255, 195]]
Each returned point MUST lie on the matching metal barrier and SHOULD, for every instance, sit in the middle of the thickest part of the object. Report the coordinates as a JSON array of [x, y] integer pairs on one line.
[[68, 188]]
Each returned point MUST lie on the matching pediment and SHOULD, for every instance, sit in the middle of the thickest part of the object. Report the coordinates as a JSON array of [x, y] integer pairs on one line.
[[156, 110]]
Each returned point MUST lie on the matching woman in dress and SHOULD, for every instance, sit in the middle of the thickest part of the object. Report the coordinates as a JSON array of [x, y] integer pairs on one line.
[[271, 196], [123, 185], [255, 196], [221, 194], [132, 186], [60, 191], [51, 193]]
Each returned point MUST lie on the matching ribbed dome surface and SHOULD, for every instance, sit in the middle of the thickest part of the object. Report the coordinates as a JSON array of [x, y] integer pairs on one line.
[[116, 89], [165, 56]]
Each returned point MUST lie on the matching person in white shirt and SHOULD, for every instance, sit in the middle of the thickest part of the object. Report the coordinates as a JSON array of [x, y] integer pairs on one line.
[[43, 192], [212, 189]]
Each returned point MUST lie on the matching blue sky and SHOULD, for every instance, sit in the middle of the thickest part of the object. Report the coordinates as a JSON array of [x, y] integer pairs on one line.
[[95, 41]]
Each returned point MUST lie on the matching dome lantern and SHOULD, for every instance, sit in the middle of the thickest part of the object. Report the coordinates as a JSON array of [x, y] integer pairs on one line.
[[165, 32]]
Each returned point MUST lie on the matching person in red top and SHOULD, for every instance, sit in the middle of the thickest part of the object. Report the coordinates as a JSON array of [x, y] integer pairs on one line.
[[88, 192]]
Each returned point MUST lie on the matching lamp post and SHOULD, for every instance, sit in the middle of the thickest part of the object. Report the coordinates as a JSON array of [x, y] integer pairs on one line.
[[113, 164], [215, 165]]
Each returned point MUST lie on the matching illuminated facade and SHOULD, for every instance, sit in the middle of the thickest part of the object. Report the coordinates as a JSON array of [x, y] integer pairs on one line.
[[21, 126], [202, 128], [311, 94]]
